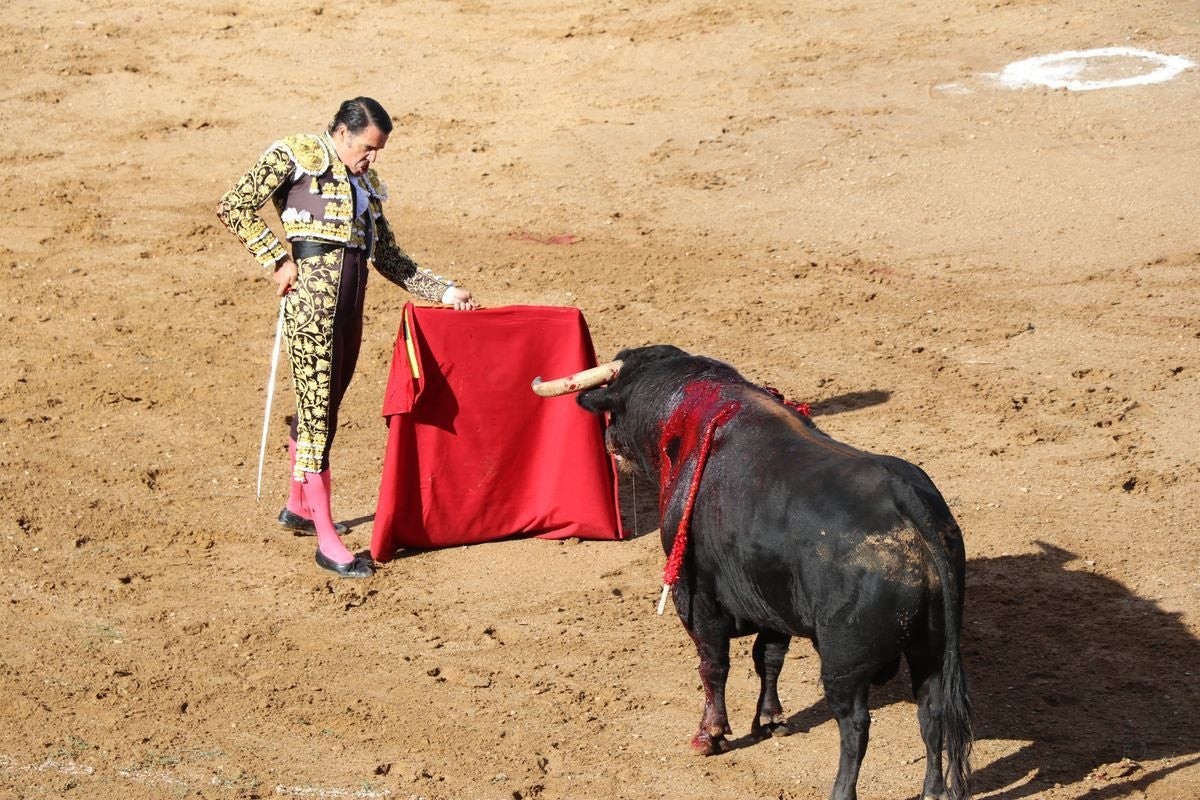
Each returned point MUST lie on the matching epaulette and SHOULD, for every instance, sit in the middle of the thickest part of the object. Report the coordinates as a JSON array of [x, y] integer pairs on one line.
[[308, 151]]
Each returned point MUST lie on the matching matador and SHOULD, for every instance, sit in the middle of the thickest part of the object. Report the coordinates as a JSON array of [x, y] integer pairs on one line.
[[330, 203]]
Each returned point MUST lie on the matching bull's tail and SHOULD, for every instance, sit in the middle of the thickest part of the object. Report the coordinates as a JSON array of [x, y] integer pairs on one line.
[[944, 540], [957, 719]]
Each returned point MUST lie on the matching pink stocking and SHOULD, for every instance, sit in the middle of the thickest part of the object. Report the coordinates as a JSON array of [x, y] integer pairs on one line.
[[295, 501], [317, 496]]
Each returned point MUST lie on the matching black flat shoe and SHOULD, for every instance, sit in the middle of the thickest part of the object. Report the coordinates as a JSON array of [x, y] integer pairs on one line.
[[358, 568], [303, 526]]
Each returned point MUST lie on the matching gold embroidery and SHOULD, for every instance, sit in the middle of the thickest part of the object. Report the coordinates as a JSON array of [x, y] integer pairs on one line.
[[399, 268], [308, 324], [239, 211], [312, 154], [310, 307], [358, 232], [339, 210], [239, 207]]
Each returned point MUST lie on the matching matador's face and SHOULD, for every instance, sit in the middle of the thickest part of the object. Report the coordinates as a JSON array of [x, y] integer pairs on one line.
[[358, 151]]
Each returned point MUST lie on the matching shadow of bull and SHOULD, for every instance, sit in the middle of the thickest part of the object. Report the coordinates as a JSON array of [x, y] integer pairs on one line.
[[1081, 668], [1077, 667]]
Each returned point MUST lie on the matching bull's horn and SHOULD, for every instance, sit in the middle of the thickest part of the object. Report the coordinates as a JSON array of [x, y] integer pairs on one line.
[[587, 379]]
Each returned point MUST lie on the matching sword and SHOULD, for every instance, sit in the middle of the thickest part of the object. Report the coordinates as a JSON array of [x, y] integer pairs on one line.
[[262, 448]]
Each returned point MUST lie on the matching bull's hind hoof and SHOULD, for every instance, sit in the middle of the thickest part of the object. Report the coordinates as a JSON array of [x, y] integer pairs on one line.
[[764, 727], [708, 745], [775, 729]]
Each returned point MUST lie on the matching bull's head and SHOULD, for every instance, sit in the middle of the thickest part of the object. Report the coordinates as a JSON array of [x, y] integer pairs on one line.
[[589, 378], [609, 389]]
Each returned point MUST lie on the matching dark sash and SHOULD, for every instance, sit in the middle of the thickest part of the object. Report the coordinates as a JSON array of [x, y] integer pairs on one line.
[[307, 248]]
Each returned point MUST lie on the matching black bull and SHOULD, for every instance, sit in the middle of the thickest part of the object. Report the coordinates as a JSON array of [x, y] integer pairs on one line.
[[795, 534]]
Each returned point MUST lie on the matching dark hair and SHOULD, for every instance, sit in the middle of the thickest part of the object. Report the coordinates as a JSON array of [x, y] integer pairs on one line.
[[359, 114]]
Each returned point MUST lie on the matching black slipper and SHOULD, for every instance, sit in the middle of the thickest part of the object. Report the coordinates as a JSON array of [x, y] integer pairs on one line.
[[303, 526], [358, 568]]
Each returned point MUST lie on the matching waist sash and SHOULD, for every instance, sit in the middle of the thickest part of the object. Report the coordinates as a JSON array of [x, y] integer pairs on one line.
[[307, 248]]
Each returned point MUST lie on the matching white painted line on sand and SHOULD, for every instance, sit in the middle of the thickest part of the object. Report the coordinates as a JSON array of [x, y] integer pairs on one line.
[[1110, 68], [68, 767], [313, 791]]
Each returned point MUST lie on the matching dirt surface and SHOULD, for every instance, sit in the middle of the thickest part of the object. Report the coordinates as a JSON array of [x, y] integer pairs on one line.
[[1001, 285]]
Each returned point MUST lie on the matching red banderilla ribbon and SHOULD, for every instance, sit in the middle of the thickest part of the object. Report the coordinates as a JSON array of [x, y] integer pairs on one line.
[[675, 559], [804, 408]]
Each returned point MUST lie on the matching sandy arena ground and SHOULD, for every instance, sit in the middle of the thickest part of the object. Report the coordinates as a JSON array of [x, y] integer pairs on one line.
[[840, 198]]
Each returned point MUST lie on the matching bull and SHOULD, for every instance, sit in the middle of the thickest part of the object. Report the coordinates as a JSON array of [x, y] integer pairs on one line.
[[788, 532]]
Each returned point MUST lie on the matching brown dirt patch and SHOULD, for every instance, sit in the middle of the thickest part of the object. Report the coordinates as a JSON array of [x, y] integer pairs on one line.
[[999, 285]]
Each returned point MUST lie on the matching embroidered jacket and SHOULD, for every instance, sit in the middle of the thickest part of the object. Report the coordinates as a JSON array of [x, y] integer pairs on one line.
[[312, 191]]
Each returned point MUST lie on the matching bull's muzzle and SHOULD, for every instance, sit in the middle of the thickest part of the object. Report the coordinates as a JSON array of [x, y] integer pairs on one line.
[[588, 379]]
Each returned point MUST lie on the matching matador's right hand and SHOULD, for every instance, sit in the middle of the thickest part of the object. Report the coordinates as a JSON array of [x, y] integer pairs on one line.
[[284, 277]]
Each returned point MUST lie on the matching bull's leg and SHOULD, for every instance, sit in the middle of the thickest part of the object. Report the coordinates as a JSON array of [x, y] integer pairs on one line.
[[847, 696], [927, 691], [770, 647], [714, 670], [710, 628]]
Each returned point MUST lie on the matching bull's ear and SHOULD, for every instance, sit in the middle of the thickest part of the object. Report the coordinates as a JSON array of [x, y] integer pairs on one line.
[[600, 400]]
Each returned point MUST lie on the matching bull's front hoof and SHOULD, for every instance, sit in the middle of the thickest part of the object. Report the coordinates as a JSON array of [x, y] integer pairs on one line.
[[706, 744]]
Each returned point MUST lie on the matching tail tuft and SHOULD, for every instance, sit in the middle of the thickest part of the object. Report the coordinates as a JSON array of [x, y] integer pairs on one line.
[[958, 717]]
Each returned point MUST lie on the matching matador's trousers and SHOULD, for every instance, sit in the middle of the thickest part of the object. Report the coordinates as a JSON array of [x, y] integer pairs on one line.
[[322, 321]]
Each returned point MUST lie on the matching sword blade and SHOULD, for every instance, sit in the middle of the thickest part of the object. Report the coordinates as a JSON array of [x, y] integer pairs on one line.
[[262, 447]]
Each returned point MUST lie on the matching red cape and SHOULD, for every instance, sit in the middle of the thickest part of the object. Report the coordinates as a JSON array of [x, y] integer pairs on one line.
[[473, 455]]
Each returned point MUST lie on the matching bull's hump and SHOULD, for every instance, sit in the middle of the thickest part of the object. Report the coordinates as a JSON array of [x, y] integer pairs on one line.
[[767, 408]]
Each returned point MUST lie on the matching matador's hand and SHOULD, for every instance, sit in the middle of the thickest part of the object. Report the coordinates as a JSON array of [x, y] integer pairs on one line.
[[460, 298], [284, 277]]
